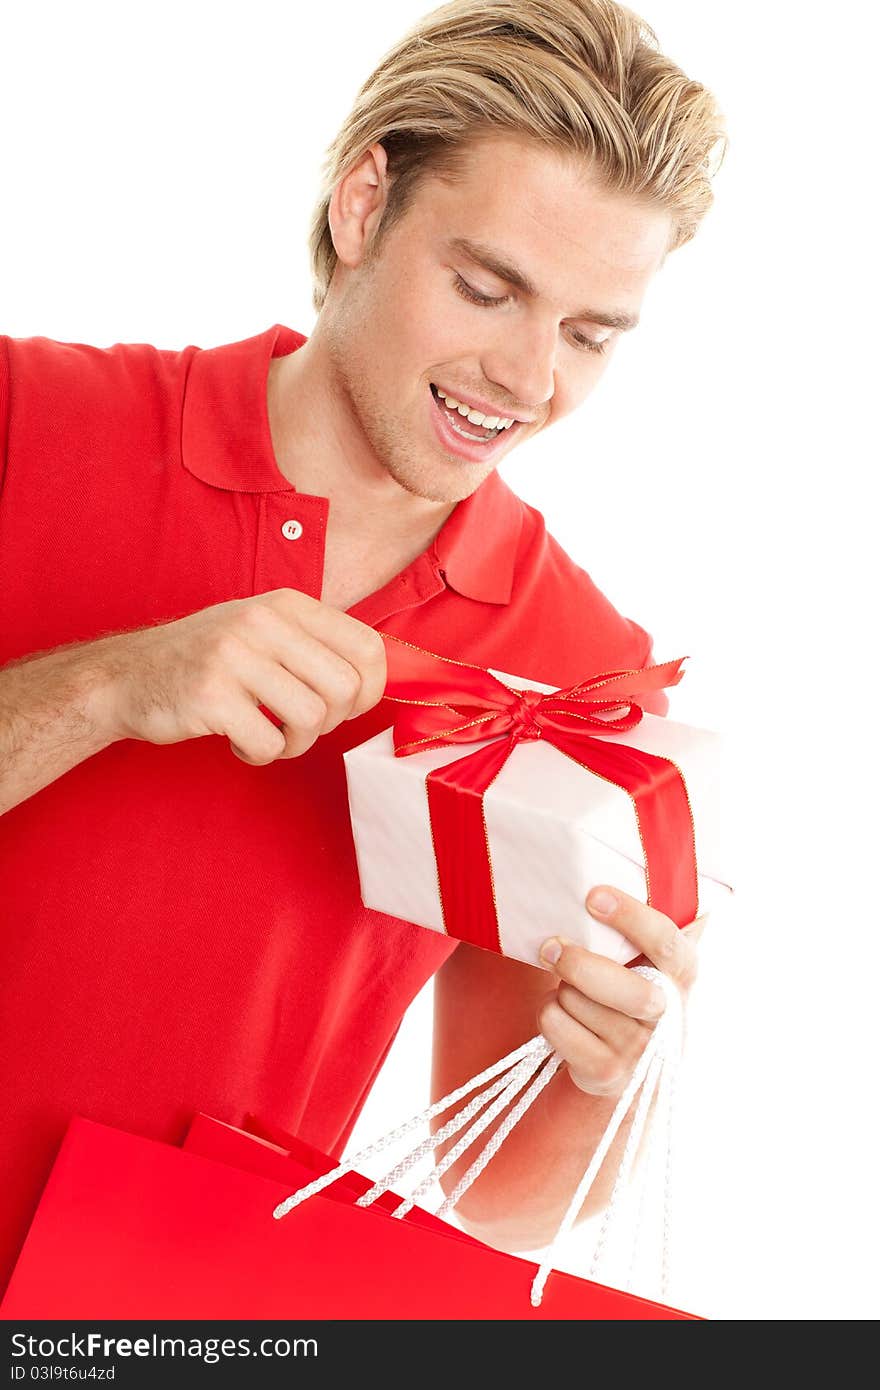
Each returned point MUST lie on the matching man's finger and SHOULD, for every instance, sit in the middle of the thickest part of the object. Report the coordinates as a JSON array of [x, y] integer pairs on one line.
[[603, 980], [655, 934], [619, 1031], [694, 930]]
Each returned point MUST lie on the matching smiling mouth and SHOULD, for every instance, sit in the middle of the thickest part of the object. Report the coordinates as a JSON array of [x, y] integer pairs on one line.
[[478, 434]]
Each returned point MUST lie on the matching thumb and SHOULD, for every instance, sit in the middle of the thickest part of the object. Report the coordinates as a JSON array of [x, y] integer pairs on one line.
[[694, 930]]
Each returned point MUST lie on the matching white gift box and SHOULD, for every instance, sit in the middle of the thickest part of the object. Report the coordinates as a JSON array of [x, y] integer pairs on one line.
[[555, 830]]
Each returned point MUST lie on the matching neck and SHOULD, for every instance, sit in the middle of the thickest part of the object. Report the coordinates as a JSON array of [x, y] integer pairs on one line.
[[320, 447]]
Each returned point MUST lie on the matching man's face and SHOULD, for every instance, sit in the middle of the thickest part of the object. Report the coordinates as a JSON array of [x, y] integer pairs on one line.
[[427, 314]]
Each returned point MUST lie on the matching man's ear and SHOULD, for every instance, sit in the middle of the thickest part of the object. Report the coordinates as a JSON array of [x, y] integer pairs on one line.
[[357, 204]]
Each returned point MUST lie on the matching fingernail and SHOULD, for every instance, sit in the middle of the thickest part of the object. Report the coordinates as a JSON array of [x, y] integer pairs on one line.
[[602, 902], [695, 928], [551, 950]]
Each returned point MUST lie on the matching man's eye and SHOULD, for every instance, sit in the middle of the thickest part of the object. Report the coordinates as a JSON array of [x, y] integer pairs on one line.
[[590, 344], [468, 292], [488, 302]]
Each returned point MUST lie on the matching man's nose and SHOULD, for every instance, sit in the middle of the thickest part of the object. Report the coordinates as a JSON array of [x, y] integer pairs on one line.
[[523, 364]]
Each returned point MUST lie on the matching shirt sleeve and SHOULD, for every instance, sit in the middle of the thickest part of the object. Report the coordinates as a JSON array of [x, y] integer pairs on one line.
[[657, 702], [571, 619]]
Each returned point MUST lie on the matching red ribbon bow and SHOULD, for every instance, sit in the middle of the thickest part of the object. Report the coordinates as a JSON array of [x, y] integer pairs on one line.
[[447, 702]]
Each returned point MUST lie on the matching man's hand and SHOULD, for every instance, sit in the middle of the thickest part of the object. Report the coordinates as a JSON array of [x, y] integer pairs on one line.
[[304, 661], [600, 1015]]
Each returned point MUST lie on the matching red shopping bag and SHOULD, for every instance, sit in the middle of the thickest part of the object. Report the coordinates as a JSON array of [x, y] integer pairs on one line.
[[129, 1228], [296, 1163]]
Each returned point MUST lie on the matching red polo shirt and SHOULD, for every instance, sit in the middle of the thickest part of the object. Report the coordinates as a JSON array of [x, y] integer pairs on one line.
[[180, 931]]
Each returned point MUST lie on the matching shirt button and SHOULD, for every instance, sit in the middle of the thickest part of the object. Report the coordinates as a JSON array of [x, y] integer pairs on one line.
[[292, 530]]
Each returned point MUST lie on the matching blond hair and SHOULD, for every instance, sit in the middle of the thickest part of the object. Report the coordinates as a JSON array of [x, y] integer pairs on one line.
[[584, 77]]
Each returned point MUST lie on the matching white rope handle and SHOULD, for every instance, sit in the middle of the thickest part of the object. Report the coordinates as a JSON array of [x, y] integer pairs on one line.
[[519, 1078], [528, 1069], [664, 1120], [550, 1068], [666, 1105], [598, 1158], [649, 1150], [534, 1045], [664, 1041], [630, 1149], [661, 1065], [545, 1070], [504, 1089]]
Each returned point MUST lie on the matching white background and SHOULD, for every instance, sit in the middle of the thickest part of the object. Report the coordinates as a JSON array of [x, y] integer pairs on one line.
[[160, 163]]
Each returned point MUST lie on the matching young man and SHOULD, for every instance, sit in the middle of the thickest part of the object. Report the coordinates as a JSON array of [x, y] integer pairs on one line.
[[198, 551]]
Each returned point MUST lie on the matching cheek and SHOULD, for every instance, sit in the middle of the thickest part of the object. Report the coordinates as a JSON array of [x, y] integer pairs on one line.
[[393, 334], [419, 330], [575, 382], [433, 339], [438, 326], [567, 396]]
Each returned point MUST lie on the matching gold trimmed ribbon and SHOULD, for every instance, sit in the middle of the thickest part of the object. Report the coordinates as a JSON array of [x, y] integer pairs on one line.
[[445, 702]]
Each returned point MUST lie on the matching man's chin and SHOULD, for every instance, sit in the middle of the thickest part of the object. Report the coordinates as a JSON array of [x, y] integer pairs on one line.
[[433, 488]]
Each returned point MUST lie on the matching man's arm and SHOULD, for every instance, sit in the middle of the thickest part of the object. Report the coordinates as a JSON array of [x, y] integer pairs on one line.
[[50, 719], [485, 1005], [597, 1015], [209, 673]]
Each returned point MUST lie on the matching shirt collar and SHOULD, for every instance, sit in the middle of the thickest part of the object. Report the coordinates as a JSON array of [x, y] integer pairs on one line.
[[226, 442]]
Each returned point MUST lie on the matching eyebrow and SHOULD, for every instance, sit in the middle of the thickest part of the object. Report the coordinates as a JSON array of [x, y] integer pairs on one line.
[[492, 261]]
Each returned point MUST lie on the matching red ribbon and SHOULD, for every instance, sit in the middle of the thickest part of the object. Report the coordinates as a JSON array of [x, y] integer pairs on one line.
[[446, 702]]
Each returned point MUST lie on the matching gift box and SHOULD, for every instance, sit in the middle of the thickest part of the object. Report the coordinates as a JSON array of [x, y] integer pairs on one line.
[[129, 1227], [498, 841]]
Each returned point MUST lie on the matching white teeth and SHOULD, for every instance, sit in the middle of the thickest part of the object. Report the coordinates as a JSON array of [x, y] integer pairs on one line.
[[476, 417], [466, 434]]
